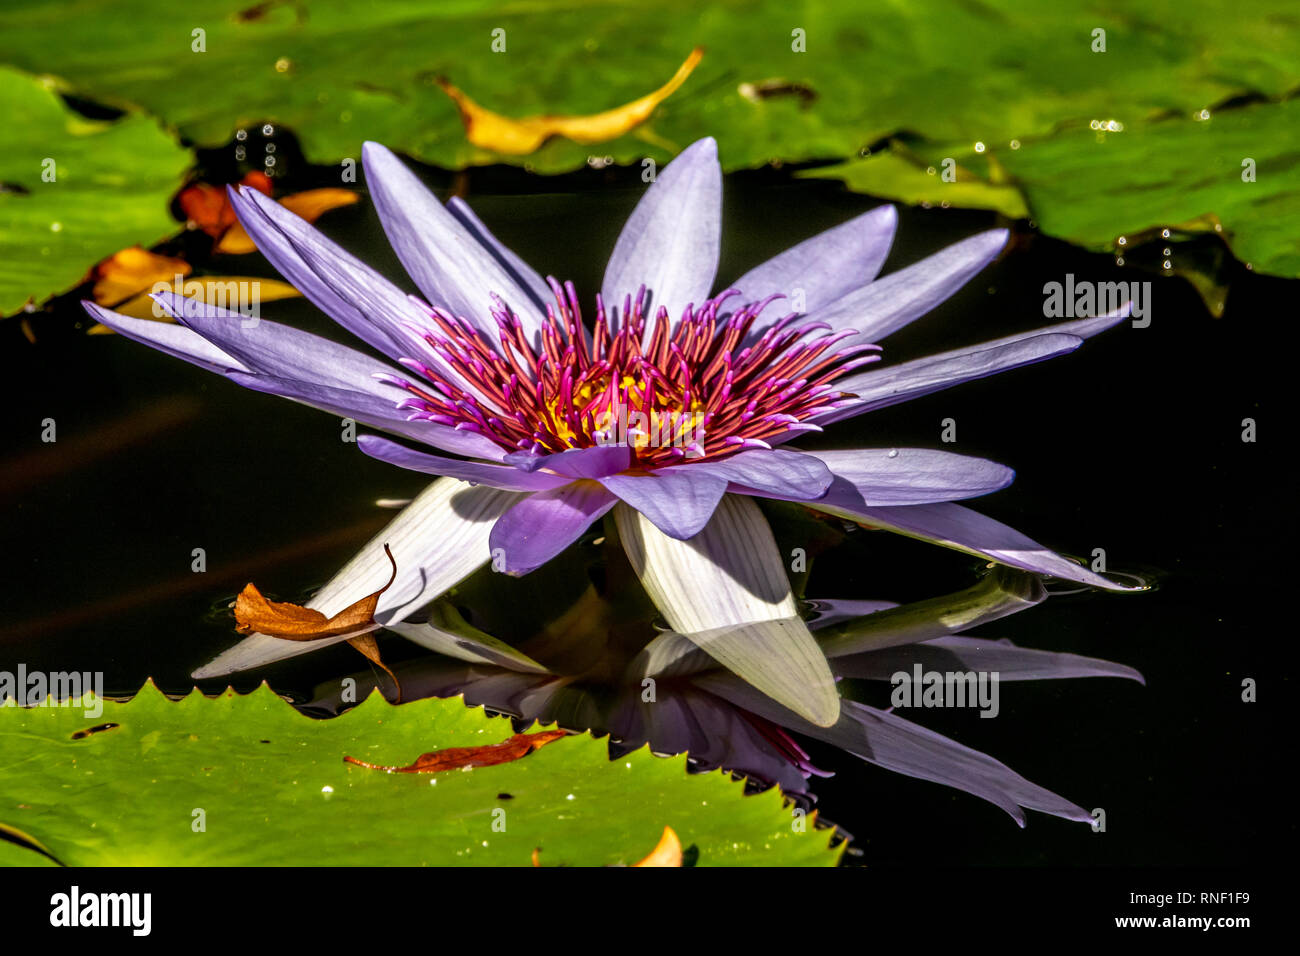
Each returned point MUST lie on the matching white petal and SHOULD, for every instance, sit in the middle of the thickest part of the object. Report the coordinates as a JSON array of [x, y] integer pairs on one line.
[[438, 540], [726, 590]]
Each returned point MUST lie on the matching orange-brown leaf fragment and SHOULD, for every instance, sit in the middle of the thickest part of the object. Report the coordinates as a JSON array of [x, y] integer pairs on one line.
[[310, 204], [518, 137], [130, 271], [293, 622], [457, 758], [667, 853], [369, 649], [208, 206]]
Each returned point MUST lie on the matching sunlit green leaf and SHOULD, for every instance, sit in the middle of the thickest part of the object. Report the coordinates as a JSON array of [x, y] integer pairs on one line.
[[73, 191], [270, 787]]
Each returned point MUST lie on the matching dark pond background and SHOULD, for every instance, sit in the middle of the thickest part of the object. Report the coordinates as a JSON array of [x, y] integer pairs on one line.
[[1131, 444]]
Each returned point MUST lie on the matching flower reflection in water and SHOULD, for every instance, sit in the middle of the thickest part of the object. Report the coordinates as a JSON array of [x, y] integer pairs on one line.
[[599, 667]]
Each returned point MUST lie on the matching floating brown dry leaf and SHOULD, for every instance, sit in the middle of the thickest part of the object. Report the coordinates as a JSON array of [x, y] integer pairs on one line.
[[667, 853], [254, 614], [457, 758], [517, 137]]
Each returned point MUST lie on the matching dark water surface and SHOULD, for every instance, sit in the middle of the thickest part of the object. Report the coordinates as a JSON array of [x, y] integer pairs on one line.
[[1131, 444]]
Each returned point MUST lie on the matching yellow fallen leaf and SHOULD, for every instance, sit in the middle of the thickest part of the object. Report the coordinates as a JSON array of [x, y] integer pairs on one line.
[[133, 270], [226, 292], [517, 137], [667, 853], [310, 205]]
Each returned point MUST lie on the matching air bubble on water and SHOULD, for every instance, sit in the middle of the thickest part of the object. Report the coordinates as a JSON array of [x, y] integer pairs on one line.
[[240, 153], [1119, 260], [1167, 251], [1201, 116], [1015, 144], [1122, 241], [270, 147], [1164, 233], [1167, 264], [241, 135], [270, 161], [979, 147], [56, 227], [268, 130], [930, 170]]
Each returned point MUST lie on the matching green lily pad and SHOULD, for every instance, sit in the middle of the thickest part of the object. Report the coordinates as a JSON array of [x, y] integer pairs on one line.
[[1092, 187], [272, 788], [896, 174], [779, 80], [111, 186]]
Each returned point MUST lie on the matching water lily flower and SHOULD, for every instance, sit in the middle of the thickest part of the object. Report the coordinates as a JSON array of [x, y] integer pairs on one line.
[[721, 722], [673, 408]]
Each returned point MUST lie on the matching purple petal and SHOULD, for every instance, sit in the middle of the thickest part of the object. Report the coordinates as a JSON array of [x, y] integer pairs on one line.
[[888, 304], [335, 281], [678, 502], [176, 340], [281, 351], [670, 243], [1003, 658], [542, 525], [366, 407], [904, 747], [1083, 328], [906, 476], [450, 265], [375, 412], [953, 526], [901, 383], [778, 472], [714, 733], [474, 472], [889, 741], [826, 267], [595, 462]]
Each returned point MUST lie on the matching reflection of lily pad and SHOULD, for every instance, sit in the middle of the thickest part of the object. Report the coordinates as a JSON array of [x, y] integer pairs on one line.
[[111, 186], [273, 789]]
